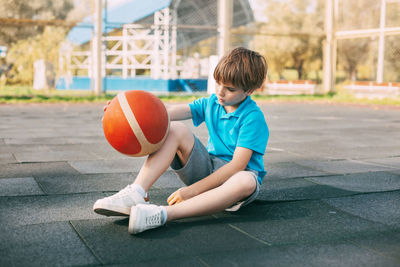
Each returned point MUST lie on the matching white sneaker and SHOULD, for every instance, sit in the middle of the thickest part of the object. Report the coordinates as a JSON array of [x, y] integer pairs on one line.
[[145, 217], [120, 203]]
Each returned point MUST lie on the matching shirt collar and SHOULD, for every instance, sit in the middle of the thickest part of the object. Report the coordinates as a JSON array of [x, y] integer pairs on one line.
[[237, 112]]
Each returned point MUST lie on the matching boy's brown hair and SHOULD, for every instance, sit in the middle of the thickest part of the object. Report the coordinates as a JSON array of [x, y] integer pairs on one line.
[[243, 68]]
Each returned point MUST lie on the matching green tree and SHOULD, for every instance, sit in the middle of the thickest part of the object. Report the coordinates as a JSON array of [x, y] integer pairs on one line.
[[299, 51], [28, 43], [392, 47], [25, 52], [32, 9], [353, 15], [392, 58]]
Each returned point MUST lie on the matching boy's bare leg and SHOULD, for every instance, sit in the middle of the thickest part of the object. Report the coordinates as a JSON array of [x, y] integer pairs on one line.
[[236, 188], [179, 141]]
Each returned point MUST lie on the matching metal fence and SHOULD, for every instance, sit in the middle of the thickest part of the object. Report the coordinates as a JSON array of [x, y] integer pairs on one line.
[[182, 41]]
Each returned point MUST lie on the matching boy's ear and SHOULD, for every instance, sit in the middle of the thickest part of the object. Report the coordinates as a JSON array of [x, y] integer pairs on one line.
[[249, 92]]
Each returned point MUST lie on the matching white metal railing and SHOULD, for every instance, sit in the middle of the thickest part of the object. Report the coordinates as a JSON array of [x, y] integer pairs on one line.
[[374, 90], [291, 88], [141, 47]]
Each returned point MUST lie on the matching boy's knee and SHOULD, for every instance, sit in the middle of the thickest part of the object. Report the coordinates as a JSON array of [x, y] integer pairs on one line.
[[182, 135], [178, 128], [245, 182]]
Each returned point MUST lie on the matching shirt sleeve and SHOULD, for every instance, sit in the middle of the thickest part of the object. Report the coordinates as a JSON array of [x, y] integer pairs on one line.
[[198, 109], [254, 133]]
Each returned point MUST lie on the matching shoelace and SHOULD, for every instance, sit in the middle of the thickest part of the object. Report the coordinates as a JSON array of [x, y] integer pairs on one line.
[[154, 219]]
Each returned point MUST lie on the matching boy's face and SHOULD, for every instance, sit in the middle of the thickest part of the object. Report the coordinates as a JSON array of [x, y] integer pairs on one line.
[[230, 97]]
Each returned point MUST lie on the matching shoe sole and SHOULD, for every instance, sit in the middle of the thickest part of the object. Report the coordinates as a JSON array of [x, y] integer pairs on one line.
[[109, 210]]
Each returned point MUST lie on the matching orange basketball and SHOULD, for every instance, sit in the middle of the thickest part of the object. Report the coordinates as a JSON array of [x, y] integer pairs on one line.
[[136, 123]]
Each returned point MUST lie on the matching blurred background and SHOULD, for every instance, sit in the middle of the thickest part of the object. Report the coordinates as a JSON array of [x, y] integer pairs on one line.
[[312, 46]]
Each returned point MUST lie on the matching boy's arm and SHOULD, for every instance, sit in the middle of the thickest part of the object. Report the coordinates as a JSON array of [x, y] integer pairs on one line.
[[175, 112], [179, 112], [238, 163]]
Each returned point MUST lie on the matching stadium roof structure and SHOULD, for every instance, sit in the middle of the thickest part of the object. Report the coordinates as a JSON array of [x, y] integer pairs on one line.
[[200, 13]]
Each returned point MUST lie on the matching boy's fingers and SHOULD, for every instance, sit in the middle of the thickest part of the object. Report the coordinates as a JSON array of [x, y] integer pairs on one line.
[[174, 198], [171, 197], [171, 202], [108, 103]]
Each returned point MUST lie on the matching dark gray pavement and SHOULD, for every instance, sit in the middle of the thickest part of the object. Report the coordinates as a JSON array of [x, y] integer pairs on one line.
[[331, 196]]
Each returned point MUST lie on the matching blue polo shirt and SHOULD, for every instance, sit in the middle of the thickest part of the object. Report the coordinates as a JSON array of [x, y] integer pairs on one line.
[[245, 127]]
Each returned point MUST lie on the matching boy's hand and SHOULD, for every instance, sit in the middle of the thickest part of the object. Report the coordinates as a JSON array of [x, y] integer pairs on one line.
[[105, 107], [178, 196]]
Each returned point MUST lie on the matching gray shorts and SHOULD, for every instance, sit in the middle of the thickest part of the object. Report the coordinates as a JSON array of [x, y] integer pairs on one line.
[[201, 164]]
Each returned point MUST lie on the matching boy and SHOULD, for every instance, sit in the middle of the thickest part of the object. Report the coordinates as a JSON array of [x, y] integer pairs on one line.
[[226, 175]]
